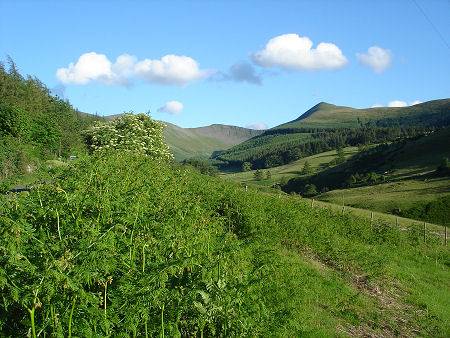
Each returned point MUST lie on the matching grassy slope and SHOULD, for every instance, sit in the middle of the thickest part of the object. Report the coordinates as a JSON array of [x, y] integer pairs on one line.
[[203, 141], [285, 269], [290, 170], [325, 115], [403, 164], [415, 157], [387, 197], [400, 160]]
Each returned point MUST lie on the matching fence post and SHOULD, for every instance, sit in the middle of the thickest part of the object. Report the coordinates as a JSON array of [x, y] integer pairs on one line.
[[371, 218], [445, 236], [396, 222], [312, 203]]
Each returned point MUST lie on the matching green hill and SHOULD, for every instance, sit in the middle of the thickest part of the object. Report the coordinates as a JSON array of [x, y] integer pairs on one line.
[[325, 115], [203, 141], [396, 178], [325, 127]]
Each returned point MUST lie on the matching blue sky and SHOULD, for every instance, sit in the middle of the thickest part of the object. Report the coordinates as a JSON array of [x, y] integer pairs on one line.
[[233, 62]]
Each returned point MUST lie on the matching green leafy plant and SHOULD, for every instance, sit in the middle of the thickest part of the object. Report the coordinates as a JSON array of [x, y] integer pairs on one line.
[[136, 133]]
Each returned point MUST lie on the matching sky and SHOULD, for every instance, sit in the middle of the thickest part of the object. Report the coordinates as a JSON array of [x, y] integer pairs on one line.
[[247, 63]]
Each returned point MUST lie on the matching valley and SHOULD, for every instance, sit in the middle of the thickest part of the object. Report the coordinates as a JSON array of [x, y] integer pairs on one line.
[[129, 227]]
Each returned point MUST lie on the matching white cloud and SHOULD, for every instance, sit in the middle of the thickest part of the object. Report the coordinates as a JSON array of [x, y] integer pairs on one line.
[[93, 67], [397, 103], [89, 67], [292, 51], [171, 107], [170, 69], [257, 126], [377, 58]]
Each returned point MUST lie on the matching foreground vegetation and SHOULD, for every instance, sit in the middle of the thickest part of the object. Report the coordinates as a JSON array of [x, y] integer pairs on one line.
[[121, 244]]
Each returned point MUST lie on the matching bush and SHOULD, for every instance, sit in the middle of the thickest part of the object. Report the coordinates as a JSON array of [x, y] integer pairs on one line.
[[310, 190], [258, 175], [246, 166], [132, 133]]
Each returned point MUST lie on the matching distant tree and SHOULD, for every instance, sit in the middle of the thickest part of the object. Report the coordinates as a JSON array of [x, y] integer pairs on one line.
[[324, 190], [202, 166], [246, 166], [340, 155], [310, 190], [307, 169], [444, 167], [268, 174], [258, 175]]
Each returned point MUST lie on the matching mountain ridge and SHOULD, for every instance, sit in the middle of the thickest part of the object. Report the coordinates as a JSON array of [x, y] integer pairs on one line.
[[327, 115]]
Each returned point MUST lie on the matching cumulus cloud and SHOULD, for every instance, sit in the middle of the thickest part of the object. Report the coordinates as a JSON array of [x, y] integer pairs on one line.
[[170, 69], [94, 67], [171, 107], [397, 103], [89, 67], [240, 72], [257, 126], [292, 51], [377, 58]]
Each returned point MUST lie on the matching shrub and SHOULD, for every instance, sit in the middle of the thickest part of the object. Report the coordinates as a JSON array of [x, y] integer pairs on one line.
[[246, 166], [132, 133], [258, 175]]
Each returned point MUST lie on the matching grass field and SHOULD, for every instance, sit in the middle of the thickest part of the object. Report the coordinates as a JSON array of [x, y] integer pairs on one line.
[[388, 196], [285, 172]]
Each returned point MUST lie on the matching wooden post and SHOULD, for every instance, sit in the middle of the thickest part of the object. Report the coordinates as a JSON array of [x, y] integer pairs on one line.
[[396, 222], [312, 203], [424, 231]]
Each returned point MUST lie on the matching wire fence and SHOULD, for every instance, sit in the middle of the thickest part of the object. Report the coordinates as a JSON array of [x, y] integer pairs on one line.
[[425, 229]]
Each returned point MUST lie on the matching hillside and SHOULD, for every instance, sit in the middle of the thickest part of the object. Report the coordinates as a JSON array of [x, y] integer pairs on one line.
[[325, 127], [35, 125], [121, 245], [397, 160], [325, 115], [203, 141], [395, 178]]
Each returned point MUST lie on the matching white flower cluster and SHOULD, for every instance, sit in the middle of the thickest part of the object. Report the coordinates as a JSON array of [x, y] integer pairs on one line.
[[136, 133]]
